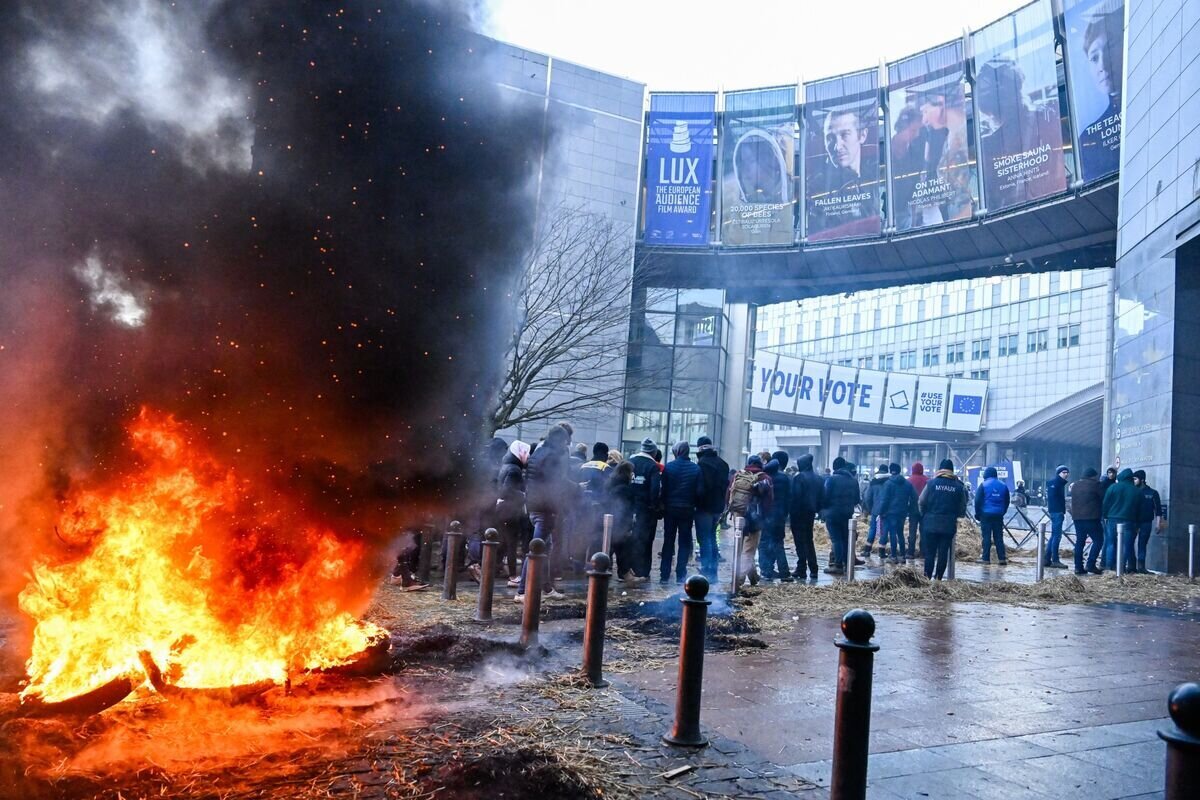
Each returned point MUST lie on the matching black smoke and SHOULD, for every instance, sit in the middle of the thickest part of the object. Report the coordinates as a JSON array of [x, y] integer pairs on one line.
[[292, 225]]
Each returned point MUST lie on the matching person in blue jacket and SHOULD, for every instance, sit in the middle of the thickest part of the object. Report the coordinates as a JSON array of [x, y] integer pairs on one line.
[[991, 504], [1149, 510], [898, 503]]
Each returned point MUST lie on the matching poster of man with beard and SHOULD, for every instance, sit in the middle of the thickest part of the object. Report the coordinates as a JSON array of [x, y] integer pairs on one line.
[[758, 167], [841, 152], [1016, 95], [933, 178], [1095, 60]]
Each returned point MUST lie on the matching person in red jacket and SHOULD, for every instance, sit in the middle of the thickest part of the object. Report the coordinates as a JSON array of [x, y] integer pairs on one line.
[[918, 479]]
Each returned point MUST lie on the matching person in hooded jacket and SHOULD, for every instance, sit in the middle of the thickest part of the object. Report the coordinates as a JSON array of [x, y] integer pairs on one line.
[[772, 559], [710, 503], [808, 491], [942, 503], [840, 499], [1086, 500], [680, 488], [918, 479], [872, 502], [899, 502], [991, 504], [620, 505], [593, 477], [1149, 510], [646, 477], [510, 506], [1056, 507], [1121, 503], [548, 493]]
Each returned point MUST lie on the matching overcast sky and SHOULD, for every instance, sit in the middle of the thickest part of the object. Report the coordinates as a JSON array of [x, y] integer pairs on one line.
[[704, 44]]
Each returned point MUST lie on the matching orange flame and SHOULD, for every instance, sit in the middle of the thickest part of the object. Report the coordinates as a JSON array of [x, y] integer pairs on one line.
[[188, 562]]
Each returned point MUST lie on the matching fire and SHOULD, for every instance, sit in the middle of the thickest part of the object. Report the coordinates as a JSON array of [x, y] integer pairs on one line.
[[185, 563]]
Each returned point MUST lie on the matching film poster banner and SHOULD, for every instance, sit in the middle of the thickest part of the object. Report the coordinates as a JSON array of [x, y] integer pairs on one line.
[[1095, 34], [679, 154], [1016, 95], [933, 177], [758, 158], [841, 157]]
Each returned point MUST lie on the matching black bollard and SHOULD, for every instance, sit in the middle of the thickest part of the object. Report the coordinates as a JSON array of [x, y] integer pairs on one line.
[[487, 577], [686, 730], [536, 560], [597, 612], [852, 719], [1183, 743], [425, 559], [450, 579]]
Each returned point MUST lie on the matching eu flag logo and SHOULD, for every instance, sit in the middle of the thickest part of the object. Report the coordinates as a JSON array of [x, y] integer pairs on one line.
[[967, 404]]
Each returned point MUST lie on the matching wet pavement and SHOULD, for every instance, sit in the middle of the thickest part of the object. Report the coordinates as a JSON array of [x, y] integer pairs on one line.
[[989, 702]]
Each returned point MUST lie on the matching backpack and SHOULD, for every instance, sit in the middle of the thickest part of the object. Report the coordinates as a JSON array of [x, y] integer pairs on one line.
[[741, 491]]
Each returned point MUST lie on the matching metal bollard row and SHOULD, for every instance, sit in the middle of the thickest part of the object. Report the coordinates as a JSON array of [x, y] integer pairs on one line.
[[597, 614], [852, 717], [686, 730], [1191, 552], [1039, 570], [735, 582], [1183, 743], [530, 620], [851, 556], [487, 579], [453, 545]]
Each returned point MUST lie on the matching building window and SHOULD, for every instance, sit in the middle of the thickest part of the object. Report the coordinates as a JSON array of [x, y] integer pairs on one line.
[[980, 374], [1068, 335], [981, 349], [955, 353], [1008, 345], [866, 361], [845, 362], [929, 357], [1038, 341], [908, 359], [887, 362], [954, 374]]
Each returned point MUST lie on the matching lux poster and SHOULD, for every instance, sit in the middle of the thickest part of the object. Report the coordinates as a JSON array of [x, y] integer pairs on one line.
[[679, 154], [933, 175], [758, 186], [841, 157], [1095, 32], [1016, 95]]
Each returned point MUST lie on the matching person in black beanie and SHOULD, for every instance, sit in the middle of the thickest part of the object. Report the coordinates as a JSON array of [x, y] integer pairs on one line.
[[645, 485], [840, 498], [710, 503], [808, 494], [942, 503]]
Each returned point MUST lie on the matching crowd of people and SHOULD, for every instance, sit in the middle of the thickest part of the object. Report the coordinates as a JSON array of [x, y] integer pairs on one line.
[[561, 492]]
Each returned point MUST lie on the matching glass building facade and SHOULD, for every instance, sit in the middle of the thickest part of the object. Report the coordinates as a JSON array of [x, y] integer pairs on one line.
[[675, 379]]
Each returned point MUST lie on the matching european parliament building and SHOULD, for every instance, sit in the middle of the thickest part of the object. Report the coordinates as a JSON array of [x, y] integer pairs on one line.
[[976, 251]]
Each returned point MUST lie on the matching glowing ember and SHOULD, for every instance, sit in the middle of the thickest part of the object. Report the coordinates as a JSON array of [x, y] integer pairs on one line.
[[185, 563]]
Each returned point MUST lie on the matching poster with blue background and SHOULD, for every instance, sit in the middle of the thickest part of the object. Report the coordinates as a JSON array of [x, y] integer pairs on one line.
[[679, 163], [1095, 32]]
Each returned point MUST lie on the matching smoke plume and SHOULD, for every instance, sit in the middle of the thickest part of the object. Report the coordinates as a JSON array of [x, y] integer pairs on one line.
[[288, 225]]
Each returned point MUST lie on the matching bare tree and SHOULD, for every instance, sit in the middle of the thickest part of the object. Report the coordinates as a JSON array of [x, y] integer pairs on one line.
[[567, 352]]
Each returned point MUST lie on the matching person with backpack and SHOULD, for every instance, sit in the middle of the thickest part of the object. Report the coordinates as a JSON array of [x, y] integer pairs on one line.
[[1086, 500], [680, 488], [898, 503], [872, 501], [942, 503], [840, 498], [918, 479], [991, 504], [645, 484], [772, 558], [710, 503], [749, 498]]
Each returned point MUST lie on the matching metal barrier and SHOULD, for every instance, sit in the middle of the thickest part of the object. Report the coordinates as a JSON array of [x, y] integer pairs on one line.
[[536, 559], [487, 576], [597, 614], [1039, 570], [735, 582], [1183, 743], [453, 545], [686, 730]]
